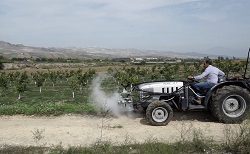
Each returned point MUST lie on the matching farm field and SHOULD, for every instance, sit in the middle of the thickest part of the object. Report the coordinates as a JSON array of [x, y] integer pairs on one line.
[[62, 111]]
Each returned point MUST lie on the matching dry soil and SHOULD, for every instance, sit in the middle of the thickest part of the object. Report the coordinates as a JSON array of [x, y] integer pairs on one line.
[[78, 130]]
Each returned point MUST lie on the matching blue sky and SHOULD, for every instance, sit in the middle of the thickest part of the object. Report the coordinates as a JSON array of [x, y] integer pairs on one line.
[[167, 25]]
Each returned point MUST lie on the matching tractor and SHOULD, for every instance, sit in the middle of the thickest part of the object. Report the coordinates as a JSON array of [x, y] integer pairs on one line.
[[229, 100]]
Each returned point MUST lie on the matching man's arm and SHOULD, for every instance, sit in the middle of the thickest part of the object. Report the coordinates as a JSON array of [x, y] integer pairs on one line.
[[205, 73], [221, 73]]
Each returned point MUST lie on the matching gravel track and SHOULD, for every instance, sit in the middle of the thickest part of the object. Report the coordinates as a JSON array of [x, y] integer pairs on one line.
[[78, 130]]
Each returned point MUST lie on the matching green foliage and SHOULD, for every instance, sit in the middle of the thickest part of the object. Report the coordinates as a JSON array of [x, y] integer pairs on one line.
[[173, 71], [54, 100], [75, 83], [21, 81], [1, 66], [47, 108], [11, 78], [80, 81], [53, 77], [231, 66], [150, 147], [133, 75], [3, 83], [39, 78]]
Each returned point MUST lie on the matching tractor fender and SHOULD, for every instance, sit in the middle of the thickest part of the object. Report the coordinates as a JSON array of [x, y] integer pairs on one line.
[[220, 85]]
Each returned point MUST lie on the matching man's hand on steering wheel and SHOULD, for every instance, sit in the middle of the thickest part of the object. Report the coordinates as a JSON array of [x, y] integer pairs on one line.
[[192, 79]]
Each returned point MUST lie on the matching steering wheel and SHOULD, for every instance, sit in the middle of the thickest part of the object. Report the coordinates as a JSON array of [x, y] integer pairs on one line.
[[125, 86], [192, 80]]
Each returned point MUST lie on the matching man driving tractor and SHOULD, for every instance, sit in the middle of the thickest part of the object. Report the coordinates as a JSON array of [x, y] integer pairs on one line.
[[212, 73]]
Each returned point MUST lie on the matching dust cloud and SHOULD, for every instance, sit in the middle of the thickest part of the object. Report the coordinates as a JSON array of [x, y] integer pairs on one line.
[[108, 103]]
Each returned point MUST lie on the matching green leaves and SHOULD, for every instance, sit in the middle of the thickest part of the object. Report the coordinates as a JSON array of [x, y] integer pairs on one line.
[[21, 81], [39, 78]]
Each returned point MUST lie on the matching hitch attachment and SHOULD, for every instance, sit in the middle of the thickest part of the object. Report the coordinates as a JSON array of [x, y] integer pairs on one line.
[[126, 100]]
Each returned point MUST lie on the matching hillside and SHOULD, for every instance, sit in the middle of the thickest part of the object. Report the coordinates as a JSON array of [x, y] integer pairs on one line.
[[9, 50]]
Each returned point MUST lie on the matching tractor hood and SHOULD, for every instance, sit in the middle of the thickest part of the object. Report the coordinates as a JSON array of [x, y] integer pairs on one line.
[[161, 86]]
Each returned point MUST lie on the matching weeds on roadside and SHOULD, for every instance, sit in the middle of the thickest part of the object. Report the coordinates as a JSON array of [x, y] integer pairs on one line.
[[237, 138], [38, 135], [116, 126], [192, 140], [184, 131], [6, 149], [200, 142]]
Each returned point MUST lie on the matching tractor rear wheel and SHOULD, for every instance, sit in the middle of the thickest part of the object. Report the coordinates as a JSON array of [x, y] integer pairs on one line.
[[231, 104], [159, 113]]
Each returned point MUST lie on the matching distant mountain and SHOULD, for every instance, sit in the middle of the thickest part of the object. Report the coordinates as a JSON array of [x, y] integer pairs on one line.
[[212, 56], [9, 50], [226, 52]]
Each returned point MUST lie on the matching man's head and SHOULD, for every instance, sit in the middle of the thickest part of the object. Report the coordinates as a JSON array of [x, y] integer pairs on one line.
[[207, 62]]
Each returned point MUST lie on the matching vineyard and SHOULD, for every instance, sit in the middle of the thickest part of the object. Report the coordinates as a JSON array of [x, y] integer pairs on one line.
[[63, 91]]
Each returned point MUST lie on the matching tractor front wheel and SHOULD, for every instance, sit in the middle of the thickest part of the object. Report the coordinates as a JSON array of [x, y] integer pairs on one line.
[[159, 113]]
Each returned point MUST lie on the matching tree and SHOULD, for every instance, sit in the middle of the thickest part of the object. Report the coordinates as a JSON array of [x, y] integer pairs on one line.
[[1, 66], [75, 85], [110, 71], [39, 78], [3, 83], [91, 72], [21, 82], [53, 77], [153, 69], [82, 79], [168, 72]]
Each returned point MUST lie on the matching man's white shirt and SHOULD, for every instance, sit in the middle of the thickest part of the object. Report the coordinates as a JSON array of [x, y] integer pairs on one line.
[[212, 74]]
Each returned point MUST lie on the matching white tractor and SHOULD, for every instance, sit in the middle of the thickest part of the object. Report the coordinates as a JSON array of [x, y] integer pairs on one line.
[[229, 100]]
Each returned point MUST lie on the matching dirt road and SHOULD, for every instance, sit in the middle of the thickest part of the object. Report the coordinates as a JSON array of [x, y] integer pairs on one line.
[[76, 130]]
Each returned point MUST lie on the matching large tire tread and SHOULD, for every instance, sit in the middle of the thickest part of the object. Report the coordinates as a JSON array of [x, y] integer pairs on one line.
[[216, 103]]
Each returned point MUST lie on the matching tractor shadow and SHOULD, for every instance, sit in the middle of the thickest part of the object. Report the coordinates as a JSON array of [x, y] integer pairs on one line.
[[201, 116]]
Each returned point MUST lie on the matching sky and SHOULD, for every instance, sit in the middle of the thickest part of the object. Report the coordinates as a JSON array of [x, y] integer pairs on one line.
[[165, 25]]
